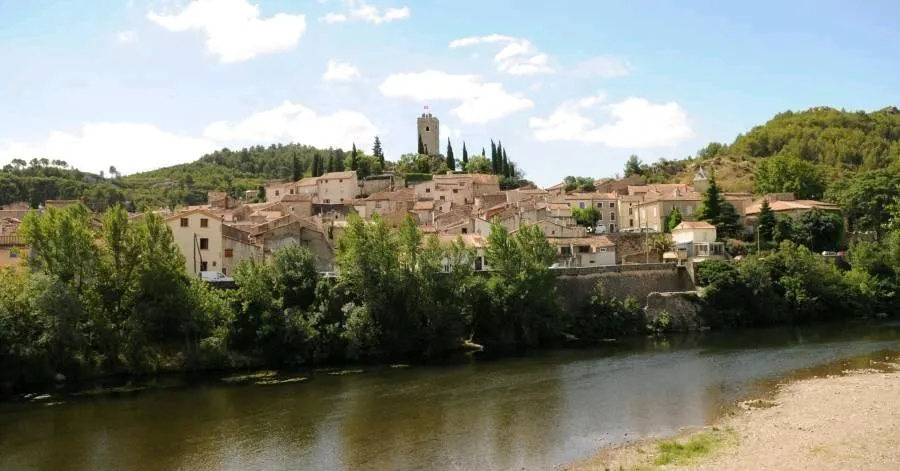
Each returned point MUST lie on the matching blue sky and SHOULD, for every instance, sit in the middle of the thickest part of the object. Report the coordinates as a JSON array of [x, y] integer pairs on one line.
[[570, 87]]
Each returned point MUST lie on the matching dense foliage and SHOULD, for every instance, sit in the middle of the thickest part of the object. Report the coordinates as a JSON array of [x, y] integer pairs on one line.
[[114, 297]]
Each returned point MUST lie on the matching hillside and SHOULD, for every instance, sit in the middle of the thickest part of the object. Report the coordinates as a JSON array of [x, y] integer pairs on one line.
[[836, 143]]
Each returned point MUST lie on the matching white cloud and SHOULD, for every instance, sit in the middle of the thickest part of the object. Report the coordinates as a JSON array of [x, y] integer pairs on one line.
[[135, 147], [359, 10], [447, 131], [131, 147], [635, 123], [480, 101], [517, 57], [234, 29], [290, 122], [126, 37], [340, 72], [604, 67]]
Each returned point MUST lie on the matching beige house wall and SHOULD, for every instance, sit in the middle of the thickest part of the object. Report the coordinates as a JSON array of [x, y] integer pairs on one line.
[[337, 189], [185, 239]]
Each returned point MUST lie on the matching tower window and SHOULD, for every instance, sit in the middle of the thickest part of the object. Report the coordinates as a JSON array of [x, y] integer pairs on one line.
[[427, 129]]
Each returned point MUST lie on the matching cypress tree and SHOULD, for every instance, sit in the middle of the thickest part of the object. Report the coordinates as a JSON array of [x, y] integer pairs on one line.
[[354, 163], [495, 161], [296, 167], [314, 171], [451, 162], [465, 160], [330, 166], [766, 221], [339, 164]]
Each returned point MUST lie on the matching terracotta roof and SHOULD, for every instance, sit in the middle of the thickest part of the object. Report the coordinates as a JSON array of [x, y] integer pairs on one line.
[[583, 195], [694, 225], [205, 211], [795, 205], [406, 194], [558, 186], [309, 181], [338, 175], [485, 179]]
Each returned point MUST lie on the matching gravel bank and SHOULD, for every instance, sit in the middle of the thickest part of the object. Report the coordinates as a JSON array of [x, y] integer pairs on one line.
[[838, 422]]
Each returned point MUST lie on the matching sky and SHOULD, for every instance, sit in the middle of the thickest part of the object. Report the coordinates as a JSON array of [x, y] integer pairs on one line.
[[569, 87]]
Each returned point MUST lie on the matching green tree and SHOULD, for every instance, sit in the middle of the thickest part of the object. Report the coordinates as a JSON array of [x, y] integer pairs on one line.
[[633, 166], [495, 162], [673, 220], [783, 173], [711, 150], [377, 151], [587, 217], [479, 164], [718, 212], [354, 158], [819, 230], [451, 162], [866, 198], [330, 166], [465, 157], [296, 168], [579, 183], [766, 221]]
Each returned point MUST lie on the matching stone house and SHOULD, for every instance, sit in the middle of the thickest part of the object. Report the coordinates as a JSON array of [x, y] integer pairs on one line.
[[198, 234], [606, 203], [337, 187], [584, 251]]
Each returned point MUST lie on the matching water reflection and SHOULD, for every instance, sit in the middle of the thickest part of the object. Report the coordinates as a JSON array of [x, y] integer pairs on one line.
[[521, 413]]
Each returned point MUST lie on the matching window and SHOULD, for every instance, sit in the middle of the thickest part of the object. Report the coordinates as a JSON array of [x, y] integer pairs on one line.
[[601, 249], [184, 222], [229, 253], [204, 244], [427, 190], [599, 216], [427, 128], [204, 222], [631, 223], [599, 205], [214, 264], [581, 205], [341, 180], [455, 191], [612, 204], [202, 266], [630, 211], [465, 230], [584, 249], [224, 271], [442, 198], [612, 215], [276, 193], [552, 232], [612, 228], [292, 192]]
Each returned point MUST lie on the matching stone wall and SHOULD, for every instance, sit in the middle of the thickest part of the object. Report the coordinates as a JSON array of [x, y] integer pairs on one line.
[[574, 285]]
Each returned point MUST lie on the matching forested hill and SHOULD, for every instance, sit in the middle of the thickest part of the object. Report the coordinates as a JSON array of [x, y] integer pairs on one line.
[[831, 143]]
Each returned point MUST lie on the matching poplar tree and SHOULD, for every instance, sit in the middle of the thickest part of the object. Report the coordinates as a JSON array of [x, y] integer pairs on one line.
[[465, 160]]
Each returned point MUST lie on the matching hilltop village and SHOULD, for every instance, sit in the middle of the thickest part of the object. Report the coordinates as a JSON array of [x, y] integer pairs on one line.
[[215, 237]]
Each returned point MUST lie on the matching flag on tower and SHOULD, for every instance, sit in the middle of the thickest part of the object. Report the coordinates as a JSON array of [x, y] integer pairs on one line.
[[426, 107]]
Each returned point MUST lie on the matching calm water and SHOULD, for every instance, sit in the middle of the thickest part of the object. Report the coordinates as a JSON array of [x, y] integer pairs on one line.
[[523, 413]]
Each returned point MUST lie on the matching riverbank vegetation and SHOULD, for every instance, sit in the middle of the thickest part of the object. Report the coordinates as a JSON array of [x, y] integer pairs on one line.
[[112, 297]]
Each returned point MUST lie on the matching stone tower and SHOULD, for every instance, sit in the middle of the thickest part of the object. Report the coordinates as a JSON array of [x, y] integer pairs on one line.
[[429, 133]]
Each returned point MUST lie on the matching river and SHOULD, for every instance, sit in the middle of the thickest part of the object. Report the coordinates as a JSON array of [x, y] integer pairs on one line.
[[533, 412]]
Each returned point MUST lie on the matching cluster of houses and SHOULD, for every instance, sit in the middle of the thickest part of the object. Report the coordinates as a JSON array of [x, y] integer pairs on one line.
[[313, 212]]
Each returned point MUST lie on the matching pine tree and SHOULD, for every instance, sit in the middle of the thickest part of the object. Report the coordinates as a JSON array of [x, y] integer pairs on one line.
[[296, 167], [421, 145], [451, 162], [354, 162], [321, 166], [711, 205], [330, 166], [766, 221], [465, 160], [377, 152]]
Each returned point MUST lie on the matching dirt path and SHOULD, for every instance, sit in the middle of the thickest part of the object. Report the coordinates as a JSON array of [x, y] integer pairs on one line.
[[847, 422]]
